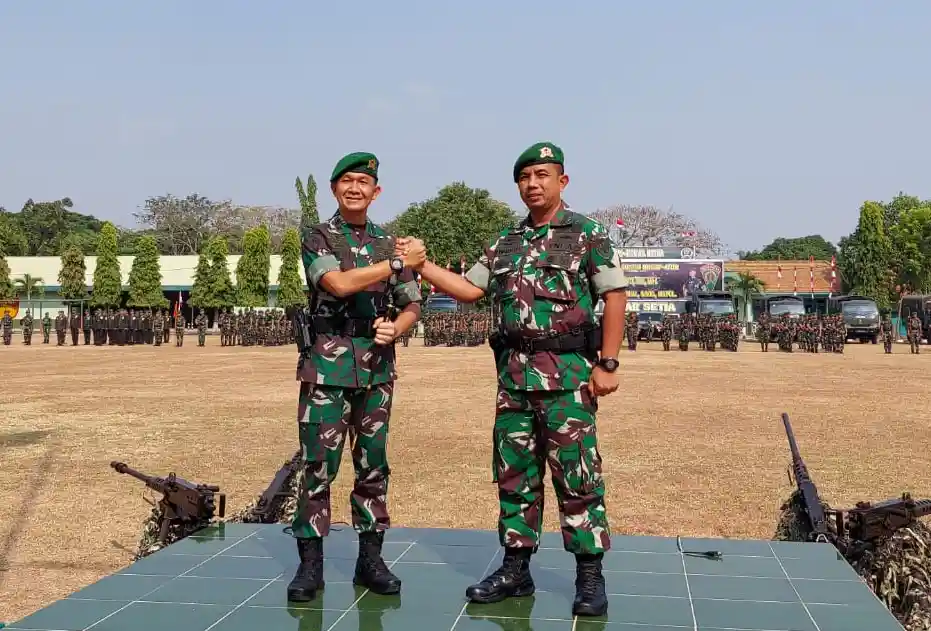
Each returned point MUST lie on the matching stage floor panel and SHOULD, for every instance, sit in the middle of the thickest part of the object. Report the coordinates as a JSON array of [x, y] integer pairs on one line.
[[233, 577]]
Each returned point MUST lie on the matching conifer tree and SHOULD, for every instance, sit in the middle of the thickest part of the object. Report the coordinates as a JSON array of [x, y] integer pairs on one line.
[[145, 277], [290, 287], [6, 285], [220, 291], [253, 268], [200, 290], [108, 284], [871, 276], [72, 275], [307, 197]]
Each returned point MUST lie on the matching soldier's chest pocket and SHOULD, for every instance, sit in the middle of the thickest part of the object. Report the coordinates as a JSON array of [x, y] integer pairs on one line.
[[557, 279]]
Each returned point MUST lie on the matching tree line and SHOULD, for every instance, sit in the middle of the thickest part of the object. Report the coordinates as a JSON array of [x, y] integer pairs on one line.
[[888, 252]]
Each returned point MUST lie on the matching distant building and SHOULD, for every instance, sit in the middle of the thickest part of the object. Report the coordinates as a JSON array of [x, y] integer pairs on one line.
[[177, 279], [796, 279]]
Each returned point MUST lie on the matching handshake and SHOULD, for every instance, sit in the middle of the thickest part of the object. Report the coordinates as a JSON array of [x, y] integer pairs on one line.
[[412, 251]]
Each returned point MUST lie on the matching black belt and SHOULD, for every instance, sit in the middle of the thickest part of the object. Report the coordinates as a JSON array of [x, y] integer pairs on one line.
[[574, 340], [346, 327]]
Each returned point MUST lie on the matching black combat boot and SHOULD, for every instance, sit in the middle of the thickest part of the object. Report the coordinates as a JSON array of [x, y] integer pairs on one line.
[[371, 571], [590, 596], [510, 580], [308, 579]]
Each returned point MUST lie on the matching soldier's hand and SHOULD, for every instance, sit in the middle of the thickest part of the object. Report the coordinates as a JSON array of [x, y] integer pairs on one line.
[[385, 333], [412, 250], [602, 382]]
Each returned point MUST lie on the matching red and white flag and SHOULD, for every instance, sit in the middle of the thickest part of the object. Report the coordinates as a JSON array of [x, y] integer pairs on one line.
[[833, 272], [688, 234], [779, 275], [811, 275], [794, 281], [462, 269]]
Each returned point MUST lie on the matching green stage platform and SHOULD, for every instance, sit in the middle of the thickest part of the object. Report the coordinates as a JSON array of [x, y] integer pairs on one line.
[[233, 578]]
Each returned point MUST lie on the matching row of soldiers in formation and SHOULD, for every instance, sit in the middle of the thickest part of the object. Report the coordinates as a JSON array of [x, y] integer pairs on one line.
[[707, 329], [111, 327], [455, 329], [812, 332], [255, 328]]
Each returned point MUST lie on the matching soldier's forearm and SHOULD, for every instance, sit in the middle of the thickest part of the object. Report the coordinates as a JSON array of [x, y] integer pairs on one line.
[[612, 322], [406, 319], [352, 281], [450, 283]]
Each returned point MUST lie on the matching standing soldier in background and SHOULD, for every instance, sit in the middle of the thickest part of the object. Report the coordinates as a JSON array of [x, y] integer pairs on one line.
[[86, 322], [686, 326], [200, 321], [633, 330], [158, 321], [6, 323], [27, 325], [46, 327], [75, 326], [61, 325], [886, 330], [763, 328], [347, 373], [546, 275], [180, 323], [914, 333], [666, 336]]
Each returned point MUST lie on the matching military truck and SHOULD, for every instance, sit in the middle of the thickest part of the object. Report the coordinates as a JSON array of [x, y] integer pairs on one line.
[[919, 304], [860, 314], [718, 303], [775, 306]]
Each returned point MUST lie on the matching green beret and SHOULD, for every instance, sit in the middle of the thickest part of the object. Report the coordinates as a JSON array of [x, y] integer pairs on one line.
[[359, 162], [540, 153]]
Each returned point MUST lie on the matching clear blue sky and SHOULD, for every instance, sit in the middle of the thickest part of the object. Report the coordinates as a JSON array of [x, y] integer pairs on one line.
[[759, 119]]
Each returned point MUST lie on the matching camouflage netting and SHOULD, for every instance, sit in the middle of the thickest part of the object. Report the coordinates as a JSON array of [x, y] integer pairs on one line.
[[281, 510], [897, 569], [149, 542]]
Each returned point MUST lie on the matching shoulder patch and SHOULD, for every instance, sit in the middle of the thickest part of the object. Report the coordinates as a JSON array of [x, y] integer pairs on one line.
[[602, 246]]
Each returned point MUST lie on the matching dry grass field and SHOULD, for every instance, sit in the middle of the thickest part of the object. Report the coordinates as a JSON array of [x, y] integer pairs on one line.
[[693, 445]]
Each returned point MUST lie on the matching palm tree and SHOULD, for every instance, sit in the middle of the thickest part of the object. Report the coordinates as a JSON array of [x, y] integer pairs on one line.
[[746, 285], [29, 285]]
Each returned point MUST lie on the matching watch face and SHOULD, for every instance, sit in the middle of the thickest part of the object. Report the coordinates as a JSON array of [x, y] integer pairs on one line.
[[609, 364], [397, 264]]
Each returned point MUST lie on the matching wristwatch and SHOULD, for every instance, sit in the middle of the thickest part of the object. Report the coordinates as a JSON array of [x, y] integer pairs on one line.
[[609, 364], [397, 265]]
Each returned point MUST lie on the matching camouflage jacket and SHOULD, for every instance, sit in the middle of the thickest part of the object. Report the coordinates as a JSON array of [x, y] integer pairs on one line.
[[548, 279], [337, 360]]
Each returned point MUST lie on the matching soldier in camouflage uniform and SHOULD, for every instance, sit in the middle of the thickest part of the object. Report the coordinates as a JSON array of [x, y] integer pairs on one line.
[[6, 323], [61, 326], [545, 277], [914, 333], [666, 334], [158, 321], [200, 321], [686, 326], [632, 329], [763, 328], [347, 374], [180, 324], [888, 333], [27, 324], [46, 327]]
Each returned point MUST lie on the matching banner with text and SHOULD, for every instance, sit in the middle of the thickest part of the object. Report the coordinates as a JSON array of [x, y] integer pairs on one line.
[[671, 279]]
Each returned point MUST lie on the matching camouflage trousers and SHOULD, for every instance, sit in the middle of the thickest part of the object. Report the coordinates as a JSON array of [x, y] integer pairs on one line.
[[326, 415], [201, 337], [533, 429]]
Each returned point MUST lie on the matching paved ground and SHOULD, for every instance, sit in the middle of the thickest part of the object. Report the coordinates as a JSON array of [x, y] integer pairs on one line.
[[693, 446]]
